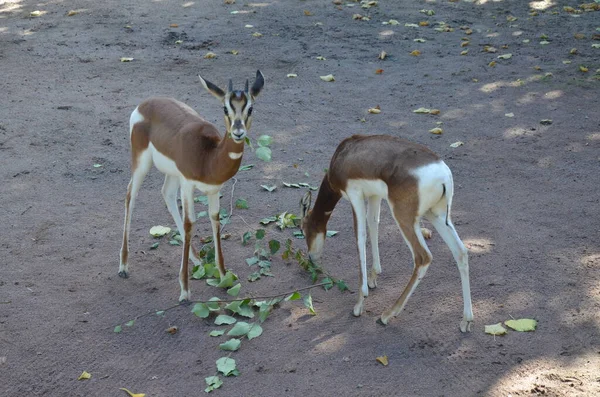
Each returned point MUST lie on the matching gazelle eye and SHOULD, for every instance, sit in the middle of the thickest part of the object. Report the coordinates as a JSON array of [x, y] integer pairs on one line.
[[225, 110], [250, 111]]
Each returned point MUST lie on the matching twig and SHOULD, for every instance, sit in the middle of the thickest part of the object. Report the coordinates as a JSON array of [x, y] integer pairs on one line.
[[231, 300], [5, 302], [26, 209]]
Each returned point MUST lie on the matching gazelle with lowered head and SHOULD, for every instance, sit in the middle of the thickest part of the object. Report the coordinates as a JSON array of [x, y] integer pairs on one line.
[[192, 154], [415, 182]]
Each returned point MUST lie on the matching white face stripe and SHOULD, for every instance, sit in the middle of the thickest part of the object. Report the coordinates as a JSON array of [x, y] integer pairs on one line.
[[234, 156]]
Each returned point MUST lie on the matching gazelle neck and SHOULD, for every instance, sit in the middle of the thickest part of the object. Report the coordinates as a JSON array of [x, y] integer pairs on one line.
[[228, 156], [326, 201]]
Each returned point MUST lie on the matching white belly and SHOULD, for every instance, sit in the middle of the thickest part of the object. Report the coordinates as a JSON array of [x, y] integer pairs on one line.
[[365, 188]]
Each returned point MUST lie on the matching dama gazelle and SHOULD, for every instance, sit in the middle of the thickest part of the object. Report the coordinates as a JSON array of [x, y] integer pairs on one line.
[[192, 154], [415, 183]]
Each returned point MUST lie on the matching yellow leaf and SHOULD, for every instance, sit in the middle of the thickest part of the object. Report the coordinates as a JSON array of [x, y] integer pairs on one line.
[[36, 13], [537, 67], [173, 25], [126, 59], [522, 325], [566, 62], [319, 58], [505, 56], [579, 36], [383, 360], [256, 34], [427, 233], [464, 44], [456, 144], [422, 110], [465, 52], [357, 16], [393, 22], [583, 69], [379, 71], [249, 26], [415, 53], [436, 131], [178, 41], [468, 31], [509, 114], [234, 52], [172, 330], [495, 329], [375, 110], [72, 12], [424, 23], [307, 13], [84, 376], [329, 77], [159, 231], [292, 75], [210, 55], [382, 55], [132, 394], [492, 64], [434, 111], [510, 18], [573, 51], [488, 48]]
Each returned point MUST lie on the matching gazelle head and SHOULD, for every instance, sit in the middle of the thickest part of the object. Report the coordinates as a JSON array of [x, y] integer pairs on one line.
[[237, 105], [313, 229]]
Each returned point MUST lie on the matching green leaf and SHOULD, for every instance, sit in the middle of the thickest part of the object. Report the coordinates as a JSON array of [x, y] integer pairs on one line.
[[226, 366], [227, 280], [235, 290], [266, 221], [217, 332], [255, 331], [201, 310], [202, 214], [265, 140], [309, 304], [117, 329], [213, 382], [331, 233], [295, 296], [522, 325], [214, 304], [329, 284], [231, 345], [341, 285], [269, 188], [294, 185], [260, 234], [274, 246], [210, 270], [199, 273], [495, 329], [224, 319], [246, 237], [298, 234], [246, 167], [263, 312], [254, 276], [252, 261], [249, 142], [241, 204], [160, 313], [130, 323], [201, 199], [264, 264], [213, 282], [263, 153], [239, 329], [240, 307], [174, 242], [154, 246]]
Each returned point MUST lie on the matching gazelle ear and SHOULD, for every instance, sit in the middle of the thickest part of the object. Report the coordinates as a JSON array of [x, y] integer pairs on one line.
[[258, 84], [213, 89], [305, 204]]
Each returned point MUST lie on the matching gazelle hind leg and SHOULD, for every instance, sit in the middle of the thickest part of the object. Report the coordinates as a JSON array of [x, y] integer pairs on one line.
[[144, 162], [373, 210], [411, 231], [169, 192], [187, 201], [359, 213], [213, 213], [446, 230]]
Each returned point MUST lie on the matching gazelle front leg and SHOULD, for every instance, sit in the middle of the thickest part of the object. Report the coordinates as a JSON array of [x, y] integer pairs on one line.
[[213, 210], [169, 192], [358, 210], [187, 201], [373, 209]]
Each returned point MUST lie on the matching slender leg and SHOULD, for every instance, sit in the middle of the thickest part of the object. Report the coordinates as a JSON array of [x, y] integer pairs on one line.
[[144, 162], [213, 211], [169, 192], [374, 205], [359, 212], [187, 200], [461, 256], [411, 231]]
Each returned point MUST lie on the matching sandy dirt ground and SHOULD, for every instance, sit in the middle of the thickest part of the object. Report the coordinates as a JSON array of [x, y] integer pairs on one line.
[[526, 198]]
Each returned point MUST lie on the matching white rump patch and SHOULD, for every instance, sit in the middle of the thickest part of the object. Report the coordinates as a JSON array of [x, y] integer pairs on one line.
[[135, 118], [430, 179]]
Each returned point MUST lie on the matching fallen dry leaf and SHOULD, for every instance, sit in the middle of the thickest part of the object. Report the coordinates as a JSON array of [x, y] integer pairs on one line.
[[456, 144], [257, 34], [468, 31], [522, 325], [379, 71], [573, 51], [436, 131], [492, 64], [393, 22], [229, 1], [210, 55], [509, 114], [329, 77], [319, 58], [375, 110], [132, 394], [488, 48], [72, 13], [382, 360], [159, 231], [495, 329], [173, 25], [546, 122], [583, 69], [464, 43], [579, 36], [249, 26], [510, 18], [465, 52], [427, 233], [505, 56], [537, 67], [172, 330], [422, 110], [234, 52], [382, 55], [424, 23], [292, 75], [35, 14], [84, 376], [126, 59], [415, 53], [307, 13], [434, 111]]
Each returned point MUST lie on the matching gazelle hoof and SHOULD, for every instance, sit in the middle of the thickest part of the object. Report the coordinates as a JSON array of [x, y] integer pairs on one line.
[[123, 274], [465, 326], [358, 309], [380, 322], [372, 283]]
